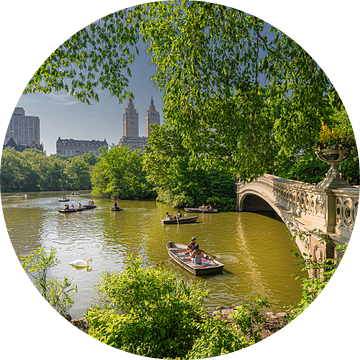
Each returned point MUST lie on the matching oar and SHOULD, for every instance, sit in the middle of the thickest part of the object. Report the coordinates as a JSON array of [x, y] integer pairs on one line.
[[161, 262], [205, 209], [212, 256], [184, 252]]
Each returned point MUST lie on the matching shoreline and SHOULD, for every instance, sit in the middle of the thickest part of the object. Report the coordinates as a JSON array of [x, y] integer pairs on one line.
[[273, 321]]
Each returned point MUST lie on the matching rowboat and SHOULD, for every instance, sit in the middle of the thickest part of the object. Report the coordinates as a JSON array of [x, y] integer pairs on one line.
[[183, 220], [115, 208], [88, 207], [67, 211], [197, 210], [177, 253], [63, 200]]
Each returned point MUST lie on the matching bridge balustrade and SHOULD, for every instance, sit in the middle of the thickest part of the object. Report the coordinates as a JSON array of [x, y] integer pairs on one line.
[[305, 207]]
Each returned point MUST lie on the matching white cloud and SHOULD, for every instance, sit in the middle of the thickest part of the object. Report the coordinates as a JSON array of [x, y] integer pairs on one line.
[[60, 99]]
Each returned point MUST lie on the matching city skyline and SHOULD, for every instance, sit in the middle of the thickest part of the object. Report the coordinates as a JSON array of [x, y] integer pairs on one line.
[[65, 116]]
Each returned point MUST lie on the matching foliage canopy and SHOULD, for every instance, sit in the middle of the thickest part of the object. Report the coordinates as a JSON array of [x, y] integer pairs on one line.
[[239, 90], [120, 174], [32, 170]]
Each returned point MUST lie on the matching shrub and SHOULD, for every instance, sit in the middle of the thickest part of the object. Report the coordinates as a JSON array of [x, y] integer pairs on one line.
[[56, 291], [219, 336], [147, 311], [152, 312], [313, 285], [223, 203]]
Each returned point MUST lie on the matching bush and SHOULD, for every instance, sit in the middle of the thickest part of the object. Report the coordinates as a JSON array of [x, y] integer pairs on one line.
[[147, 312], [313, 285], [219, 337], [57, 292], [152, 312], [223, 203]]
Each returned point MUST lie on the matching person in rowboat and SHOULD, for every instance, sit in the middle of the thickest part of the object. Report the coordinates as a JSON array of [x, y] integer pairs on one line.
[[168, 216], [192, 243], [197, 255], [178, 215]]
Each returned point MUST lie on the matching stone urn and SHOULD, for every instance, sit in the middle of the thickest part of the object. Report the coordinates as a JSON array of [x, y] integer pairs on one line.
[[333, 179]]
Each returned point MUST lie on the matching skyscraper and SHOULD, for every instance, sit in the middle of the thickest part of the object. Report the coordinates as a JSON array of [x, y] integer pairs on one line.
[[152, 117], [25, 130], [131, 121], [131, 125]]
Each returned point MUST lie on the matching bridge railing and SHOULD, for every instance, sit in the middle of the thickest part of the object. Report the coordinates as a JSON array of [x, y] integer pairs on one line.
[[331, 211], [347, 202]]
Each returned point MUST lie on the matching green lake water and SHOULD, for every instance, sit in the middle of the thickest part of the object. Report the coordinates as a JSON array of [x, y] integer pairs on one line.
[[254, 247]]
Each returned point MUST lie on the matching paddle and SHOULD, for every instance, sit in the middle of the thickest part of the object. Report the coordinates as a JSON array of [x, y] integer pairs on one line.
[[161, 262], [212, 256], [205, 209]]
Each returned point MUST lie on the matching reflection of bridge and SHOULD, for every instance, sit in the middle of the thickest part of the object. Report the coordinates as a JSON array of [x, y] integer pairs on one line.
[[303, 208]]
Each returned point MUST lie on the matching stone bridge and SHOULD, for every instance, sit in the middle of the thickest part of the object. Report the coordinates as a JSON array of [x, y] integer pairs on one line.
[[329, 206]]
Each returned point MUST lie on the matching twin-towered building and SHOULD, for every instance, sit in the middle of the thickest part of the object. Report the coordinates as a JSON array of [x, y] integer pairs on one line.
[[131, 125]]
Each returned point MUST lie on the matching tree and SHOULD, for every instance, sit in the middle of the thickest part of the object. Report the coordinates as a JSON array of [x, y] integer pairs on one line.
[[182, 178], [305, 166], [240, 91], [16, 173], [32, 170], [79, 174], [120, 174]]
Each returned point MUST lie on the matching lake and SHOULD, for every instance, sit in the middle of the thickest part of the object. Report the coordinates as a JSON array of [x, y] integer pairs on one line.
[[254, 247]]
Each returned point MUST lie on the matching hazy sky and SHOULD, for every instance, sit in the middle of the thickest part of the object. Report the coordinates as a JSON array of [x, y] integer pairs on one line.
[[65, 116]]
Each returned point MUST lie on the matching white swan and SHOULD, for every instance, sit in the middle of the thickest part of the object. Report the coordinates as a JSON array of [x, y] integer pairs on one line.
[[80, 263]]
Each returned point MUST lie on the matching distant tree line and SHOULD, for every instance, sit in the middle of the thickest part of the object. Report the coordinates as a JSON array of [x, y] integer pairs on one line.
[[166, 170], [31, 170]]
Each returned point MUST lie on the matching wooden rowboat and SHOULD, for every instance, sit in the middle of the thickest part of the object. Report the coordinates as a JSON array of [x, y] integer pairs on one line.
[[63, 200], [197, 210], [115, 208], [67, 211], [176, 252], [184, 220], [88, 207]]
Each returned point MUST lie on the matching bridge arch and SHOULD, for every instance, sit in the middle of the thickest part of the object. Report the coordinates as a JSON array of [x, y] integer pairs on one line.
[[304, 207], [252, 201]]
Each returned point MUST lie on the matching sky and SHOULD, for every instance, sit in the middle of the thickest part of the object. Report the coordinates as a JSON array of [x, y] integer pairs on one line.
[[65, 116]]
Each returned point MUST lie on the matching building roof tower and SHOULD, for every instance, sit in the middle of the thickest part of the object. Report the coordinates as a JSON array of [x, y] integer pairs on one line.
[[152, 117]]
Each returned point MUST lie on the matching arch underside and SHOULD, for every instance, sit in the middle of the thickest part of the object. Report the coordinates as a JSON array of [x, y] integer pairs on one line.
[[253, 201]]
